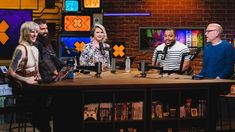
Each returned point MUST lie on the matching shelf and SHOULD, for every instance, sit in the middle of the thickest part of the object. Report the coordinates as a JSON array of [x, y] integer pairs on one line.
[[170, 101], [166, 119], [130, 121], [100, 122], [193, 118]]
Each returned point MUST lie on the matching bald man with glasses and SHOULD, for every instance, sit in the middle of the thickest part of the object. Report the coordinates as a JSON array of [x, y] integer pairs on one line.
[[218, 55]]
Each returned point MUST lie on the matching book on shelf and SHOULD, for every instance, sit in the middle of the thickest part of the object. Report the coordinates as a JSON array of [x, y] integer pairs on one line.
[[157, 109], [137, 110], [117, 111], [105, 111], [90, 111]]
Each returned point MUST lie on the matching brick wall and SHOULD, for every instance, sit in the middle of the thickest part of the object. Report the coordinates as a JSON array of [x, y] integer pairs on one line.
[[166, 13]]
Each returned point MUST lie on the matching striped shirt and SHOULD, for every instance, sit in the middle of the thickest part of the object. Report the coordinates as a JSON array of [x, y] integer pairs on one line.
[[173, 57]]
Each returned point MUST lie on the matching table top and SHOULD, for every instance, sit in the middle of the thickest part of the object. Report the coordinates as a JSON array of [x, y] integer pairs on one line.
[[132, 79]]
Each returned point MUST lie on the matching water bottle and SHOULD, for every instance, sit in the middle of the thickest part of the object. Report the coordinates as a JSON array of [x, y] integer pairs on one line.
[[71, 73], [70, 64], [128, 64]]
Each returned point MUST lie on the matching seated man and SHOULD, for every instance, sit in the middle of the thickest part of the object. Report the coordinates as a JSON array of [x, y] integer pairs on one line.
[[218, 55], [172, 52]]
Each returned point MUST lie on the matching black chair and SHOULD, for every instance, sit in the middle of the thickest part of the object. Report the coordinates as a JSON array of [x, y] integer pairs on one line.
[[21, 111], [22, 114]]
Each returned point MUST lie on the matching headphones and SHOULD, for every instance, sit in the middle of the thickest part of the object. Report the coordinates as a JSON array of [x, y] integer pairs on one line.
[[92, 33]]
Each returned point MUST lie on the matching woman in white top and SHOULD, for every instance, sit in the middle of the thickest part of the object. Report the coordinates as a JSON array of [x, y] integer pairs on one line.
[[24, 67], [24, 64]]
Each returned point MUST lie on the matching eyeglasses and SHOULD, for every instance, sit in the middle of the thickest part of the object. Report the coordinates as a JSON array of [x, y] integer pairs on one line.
[[207, 31]]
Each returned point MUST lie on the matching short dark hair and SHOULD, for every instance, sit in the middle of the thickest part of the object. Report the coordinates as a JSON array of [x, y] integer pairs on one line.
[[171, 29], [40, 21]]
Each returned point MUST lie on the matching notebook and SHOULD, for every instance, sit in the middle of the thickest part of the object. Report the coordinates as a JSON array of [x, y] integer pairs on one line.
[[63, 74]]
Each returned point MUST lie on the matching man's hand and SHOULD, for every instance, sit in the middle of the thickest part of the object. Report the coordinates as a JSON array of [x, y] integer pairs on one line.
[[55, 72]]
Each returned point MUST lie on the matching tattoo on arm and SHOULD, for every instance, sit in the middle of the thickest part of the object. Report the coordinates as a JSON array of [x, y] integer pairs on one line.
[[17, 56]]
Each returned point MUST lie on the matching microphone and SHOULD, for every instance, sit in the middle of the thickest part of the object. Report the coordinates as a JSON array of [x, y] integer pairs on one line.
[[107, 49], [164, 52], [142, 67], [101, 48], [66, 48]]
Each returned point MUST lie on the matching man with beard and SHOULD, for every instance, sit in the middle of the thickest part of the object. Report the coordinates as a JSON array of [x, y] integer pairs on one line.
[[50, 65], [54, 104], [172, 53]]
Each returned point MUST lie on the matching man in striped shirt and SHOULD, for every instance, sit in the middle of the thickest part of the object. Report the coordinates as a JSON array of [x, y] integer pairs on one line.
[[172, 53]]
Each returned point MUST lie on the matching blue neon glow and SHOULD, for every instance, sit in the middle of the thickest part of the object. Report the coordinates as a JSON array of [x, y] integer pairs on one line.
[[71, 6], [70, 41], [127, 14]]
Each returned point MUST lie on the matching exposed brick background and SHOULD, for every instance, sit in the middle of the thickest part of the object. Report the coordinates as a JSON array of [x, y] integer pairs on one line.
[[166, 13]]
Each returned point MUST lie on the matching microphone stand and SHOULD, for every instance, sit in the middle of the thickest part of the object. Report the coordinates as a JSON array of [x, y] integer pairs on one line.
[[97, 68], [145, 67]]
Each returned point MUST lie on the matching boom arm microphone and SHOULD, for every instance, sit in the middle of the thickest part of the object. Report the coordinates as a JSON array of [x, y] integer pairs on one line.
[[107, 49], [66, 48], [101, 48], [164, 52]]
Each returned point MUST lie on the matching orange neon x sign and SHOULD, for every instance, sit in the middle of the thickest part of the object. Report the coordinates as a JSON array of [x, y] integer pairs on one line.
[[3, 28], [79, 46], [118, 50]]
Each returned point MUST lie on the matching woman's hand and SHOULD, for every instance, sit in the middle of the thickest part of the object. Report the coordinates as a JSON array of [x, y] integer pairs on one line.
[[38, 77], [31, 80], [105, 68]]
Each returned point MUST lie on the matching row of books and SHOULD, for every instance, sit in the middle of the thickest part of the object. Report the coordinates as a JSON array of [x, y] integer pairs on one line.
[[116, 111], [160, 110]]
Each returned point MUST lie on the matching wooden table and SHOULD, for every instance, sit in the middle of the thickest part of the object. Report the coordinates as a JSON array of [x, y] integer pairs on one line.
[[133, 79], [71, 93]]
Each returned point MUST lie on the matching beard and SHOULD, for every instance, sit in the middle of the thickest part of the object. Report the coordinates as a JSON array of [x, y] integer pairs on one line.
[[170, 43], [45, 40]]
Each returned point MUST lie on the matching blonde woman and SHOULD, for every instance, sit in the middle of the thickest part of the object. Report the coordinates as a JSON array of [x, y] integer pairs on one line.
[[24, 64], [97, 49], [24, 67]]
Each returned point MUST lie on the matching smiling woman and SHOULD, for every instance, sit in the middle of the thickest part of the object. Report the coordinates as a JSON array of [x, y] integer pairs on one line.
[[97, 50], [24, 64], [24, 69]]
